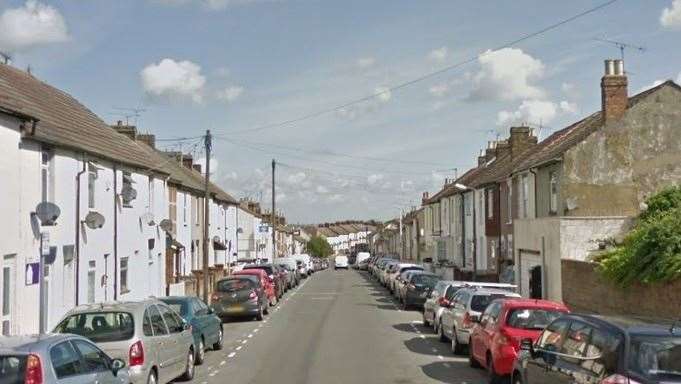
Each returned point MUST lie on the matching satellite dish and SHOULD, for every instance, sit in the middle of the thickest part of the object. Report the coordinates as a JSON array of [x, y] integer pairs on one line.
[[148, 218], [94, 220], [166, 225], [571, 204], [47, 213]]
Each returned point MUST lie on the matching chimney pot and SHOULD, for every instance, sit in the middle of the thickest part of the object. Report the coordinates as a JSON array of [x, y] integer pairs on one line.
[[614, 91]]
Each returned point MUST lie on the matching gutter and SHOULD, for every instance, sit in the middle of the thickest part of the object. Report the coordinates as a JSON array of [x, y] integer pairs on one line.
[[77, 246]]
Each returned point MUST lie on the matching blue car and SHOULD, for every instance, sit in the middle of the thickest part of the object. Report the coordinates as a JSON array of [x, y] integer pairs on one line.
[[206, 326]]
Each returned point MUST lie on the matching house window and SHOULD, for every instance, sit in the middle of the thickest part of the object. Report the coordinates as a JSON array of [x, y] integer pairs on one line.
[[481, 204], [128, 193], [151, 244], [467, 204], [91, 277], [151, 194], [184, 208], [172, 206], [553, 185], [91, 179], [525, 196], [509, 202], [46, 175], [124, 275], [490, 204]]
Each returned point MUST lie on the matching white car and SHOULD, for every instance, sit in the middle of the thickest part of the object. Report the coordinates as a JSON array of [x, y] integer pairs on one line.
[[341, 262]]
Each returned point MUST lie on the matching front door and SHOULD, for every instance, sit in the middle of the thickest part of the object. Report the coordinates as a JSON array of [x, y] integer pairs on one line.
[[7, 292], [536, 291]]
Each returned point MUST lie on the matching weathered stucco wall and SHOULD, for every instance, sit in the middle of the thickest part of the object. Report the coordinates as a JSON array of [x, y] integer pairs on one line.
[[584, 290], [613, 170], [542, 236], [579, 236]]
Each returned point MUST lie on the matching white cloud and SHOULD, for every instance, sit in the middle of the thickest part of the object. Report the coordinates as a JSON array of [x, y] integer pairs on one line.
[[439, 55], [35, 24], [280, 197], [407, 185], [231, 176], [211, 4], [366, 62], [529, 111], [214, 164], [229, 94], [671, 17], [374, 178], [568, 107], [383, 94], [439, 90], [322, 189], [336, 197], [174, 80], [296, 178], [507, 74]]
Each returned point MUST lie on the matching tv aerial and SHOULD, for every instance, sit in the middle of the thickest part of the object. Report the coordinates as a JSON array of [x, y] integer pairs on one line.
[[622, 46], [129, 112]]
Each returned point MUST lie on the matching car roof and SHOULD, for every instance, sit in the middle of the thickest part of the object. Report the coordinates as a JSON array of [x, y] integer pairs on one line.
[[114, 306], [405, 265], [489, 291], [635, 325], [27, 343], [177, 298], [255, 272], [532, 303]]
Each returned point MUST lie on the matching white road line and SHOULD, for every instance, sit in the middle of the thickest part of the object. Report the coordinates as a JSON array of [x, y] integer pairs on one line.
[[256, 330], [224, 362], [422, 336], [440, 357], [238, 348], [244, 342], [447, 365], [231, 355], [434, 349], [250, 336]]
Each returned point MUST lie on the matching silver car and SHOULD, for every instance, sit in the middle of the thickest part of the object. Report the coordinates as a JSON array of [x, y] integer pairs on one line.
[[55, 358], [456, 321], [153, 340]]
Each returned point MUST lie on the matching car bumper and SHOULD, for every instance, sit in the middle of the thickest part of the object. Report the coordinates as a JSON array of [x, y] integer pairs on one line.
[[463, 336], [138, 374], [237, 310]]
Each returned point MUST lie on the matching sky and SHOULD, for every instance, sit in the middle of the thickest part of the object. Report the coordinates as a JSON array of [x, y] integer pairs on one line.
[[364, 104]]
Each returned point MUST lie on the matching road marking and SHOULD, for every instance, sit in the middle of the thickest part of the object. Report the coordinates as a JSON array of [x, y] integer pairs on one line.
[[231, 355], [238, 348], [256, 330], [440, 357], [447, 365], [224, 362], [244, 342], [250, 336], [422, 336]]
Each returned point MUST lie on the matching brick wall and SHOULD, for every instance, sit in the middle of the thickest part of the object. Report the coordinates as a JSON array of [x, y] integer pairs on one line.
[[585, 291]]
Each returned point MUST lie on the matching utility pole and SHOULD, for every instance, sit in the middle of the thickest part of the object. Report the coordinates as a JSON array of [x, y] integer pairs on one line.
[[274, 215], [206, 216]]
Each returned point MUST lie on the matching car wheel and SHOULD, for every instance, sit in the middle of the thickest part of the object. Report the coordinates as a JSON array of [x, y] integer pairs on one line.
[[200, 352], [152, 377], [491, 371], [516, 378], [218, 344], [260, 316], [456, 347], [425, 321], [471, 359], [405, 305], [189, 370], [441, 333], [273, 301]]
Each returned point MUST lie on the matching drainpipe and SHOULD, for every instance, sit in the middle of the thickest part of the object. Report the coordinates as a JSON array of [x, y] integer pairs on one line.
[[115, 234], [534, 181], [498, 216], [475, 240], [78, 228], [463, 231]]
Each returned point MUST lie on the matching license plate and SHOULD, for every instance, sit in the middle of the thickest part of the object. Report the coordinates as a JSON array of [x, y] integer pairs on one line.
[[234, 308]]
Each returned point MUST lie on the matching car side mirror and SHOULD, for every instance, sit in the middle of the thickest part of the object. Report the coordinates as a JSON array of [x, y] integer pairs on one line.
[[117, 365]]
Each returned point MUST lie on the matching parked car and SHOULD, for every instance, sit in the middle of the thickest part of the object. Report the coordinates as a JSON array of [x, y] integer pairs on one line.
[[402, 280], [302, 269], [265, 281], [495, 340], [432, 307], [240, 296], [456, 321], [602, 349], [397, 271], [276, 278], [153, 340], [340, 262], [57, 358], [206, 325], [291, 275], [283, 275], [416, 289]]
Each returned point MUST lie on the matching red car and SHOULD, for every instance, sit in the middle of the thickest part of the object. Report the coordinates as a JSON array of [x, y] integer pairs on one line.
[[495, 340], [267, 283]]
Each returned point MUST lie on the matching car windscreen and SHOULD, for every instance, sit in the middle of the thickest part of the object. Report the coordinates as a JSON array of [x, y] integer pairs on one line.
[[12, 369], [179, 306], [99, 326], [531, 318], [480, 302], [425, 280], [656, 357], [405, 269], [234, 285]]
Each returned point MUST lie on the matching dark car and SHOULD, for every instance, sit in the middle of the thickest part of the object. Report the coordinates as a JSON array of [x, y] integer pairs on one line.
[[240, 296], [417, 289], [273, 274], [602, 349], [206, 325]]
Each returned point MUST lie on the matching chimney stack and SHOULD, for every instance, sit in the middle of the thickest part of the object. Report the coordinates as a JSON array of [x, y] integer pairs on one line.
[[614, 93], [128, 130], [521, 139], [188, 161], [197, 167], [147, 139], [424, 197]]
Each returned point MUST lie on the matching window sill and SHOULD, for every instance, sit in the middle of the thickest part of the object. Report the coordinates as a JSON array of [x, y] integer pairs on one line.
[[125, 291]]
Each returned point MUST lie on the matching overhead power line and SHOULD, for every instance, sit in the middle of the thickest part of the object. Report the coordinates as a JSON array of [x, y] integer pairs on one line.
[[427, 76]]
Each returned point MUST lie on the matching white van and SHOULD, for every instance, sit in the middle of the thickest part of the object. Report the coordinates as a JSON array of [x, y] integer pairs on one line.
[[341, 262], [361, 256]]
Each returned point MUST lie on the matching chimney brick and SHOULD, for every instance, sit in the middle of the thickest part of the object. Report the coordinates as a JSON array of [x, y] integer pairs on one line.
[[128, 130], [147, 139], [521, 139], [614, 91], [188, 161], [197, 167]]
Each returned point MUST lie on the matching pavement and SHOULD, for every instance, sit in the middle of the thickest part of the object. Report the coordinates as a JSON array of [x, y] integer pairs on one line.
[[338, 327]]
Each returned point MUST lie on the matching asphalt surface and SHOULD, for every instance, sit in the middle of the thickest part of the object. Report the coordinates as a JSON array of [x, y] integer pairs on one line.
[[337, 327]]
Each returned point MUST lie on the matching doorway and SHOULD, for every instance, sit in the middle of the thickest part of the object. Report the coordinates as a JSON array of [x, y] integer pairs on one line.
[[7, 293]]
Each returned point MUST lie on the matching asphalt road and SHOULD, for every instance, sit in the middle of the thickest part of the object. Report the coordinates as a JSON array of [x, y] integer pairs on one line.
[[339, 327]]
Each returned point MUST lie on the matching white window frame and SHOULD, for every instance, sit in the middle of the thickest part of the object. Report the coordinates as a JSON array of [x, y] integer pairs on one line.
[[124, 275], [525, 185], [92, 186], [47, 174], [490, 203], [553, 192], [509, 201]]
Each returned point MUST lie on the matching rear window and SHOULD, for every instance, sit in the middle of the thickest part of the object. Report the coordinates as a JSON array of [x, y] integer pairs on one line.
[[480, 302], [233, 285], [12, 369], [268, 269], [531, 318], [179, 306], [427, 280], [99, 326], [656, 357]]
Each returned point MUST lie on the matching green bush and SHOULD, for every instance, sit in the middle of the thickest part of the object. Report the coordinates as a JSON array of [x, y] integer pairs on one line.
[[319, 247], [651, 252]]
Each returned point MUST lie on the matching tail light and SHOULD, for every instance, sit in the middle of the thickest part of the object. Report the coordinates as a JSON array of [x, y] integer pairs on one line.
[[618, 379], [253, 296], [466, 322], [443, 302], [136, 354], [34, 370], [506, 338]]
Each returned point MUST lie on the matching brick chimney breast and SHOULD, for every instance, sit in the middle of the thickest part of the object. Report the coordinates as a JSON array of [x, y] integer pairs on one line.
[[614, 92], [521, 139], [147, 139]]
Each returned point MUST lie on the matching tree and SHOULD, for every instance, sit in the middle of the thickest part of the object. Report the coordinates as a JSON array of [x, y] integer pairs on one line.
[[317, 246], [651, 252]]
